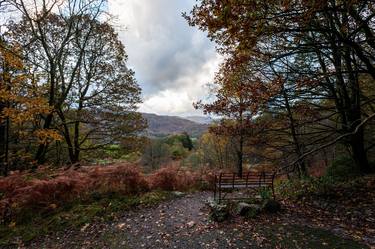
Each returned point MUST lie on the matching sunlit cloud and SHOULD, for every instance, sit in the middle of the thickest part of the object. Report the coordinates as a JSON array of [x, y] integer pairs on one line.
[[173, 62], [179, 100]]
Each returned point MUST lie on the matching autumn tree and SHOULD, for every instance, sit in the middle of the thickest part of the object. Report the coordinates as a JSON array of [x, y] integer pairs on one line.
[[217, 151], [82, 63], [48, 30], [183, 138], [156, 152], [335, 38], [235, 104], [101, 105], [21, 103]]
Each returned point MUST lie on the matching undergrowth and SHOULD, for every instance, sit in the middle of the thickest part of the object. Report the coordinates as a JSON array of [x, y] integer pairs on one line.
[[324, 187], [35, 203], [74, 215], [340, 180]]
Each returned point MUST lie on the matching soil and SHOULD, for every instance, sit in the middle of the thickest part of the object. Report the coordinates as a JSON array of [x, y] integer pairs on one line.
[[184, 223]]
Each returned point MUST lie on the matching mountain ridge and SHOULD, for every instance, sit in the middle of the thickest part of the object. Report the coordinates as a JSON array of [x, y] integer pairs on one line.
[[200, 119], [164, 125]]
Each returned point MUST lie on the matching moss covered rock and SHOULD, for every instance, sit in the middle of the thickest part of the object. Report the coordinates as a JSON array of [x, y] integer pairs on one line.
[[219, 212], [248, 210], [271, 206]]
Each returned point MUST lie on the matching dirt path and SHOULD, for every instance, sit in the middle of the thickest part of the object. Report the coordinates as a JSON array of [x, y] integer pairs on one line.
[[183, 223]]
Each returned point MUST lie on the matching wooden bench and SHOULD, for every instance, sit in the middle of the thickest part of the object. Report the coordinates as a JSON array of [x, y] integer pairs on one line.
[[225, 182]]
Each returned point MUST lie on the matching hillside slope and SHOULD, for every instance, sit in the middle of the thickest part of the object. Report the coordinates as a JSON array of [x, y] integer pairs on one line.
[[159, 125]]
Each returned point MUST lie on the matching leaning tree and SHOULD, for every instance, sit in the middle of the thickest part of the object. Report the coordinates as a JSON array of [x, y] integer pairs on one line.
[[335, 37]]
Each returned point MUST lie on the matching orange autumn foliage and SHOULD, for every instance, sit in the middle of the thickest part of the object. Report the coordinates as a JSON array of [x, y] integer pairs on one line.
[[48, 187], [43, 189], [173, 177], [22, 96]]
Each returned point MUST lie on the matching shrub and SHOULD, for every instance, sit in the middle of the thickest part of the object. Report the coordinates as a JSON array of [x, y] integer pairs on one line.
[[208, 179], [314, 188], [23, 190], [164, 178], [125, 179], [131, 157], [265, 193], [297, 188], [178, 151], [193, 160], [173, 177], [155, 154], [11, 182], [45, 190], [113, 151], [343, 168]]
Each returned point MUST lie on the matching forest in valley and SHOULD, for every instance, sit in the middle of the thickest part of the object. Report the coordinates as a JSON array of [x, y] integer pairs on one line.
[[294, 97]]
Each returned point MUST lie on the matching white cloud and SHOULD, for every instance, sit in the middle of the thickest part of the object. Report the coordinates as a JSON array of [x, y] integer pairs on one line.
[[172, 61], [179, 101]]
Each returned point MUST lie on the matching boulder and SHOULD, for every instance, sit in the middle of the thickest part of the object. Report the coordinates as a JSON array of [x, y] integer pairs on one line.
[[219, 212], [248, 210], [243, 208], [178, 194], [271, 206]]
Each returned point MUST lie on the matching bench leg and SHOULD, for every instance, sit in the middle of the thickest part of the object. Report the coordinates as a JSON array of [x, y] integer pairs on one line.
[[215, 193]]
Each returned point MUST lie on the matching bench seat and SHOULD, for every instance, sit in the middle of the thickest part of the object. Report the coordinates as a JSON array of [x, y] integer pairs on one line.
[[248, 180], [236, 186]]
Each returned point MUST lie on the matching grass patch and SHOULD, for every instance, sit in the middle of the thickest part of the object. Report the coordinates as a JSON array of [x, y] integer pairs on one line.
[[33, 223]]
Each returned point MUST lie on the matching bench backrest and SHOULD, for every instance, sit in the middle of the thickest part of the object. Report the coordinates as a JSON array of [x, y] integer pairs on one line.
[[247, 179]]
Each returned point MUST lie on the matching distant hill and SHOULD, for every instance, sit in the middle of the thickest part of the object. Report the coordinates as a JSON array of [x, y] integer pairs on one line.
[[200, 119], [159, 125]]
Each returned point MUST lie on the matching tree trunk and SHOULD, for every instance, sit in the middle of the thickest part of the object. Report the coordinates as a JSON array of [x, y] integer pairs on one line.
[[75, 158], [77, 146], [357, 141], [240, 157], [42, 149], [359, 153], [241, 142], [6, 156], [302, 171], [2, 141]]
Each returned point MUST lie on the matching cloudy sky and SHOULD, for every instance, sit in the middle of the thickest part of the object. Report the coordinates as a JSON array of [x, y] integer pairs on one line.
[[172, 61]]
